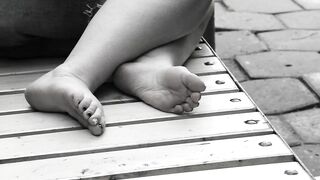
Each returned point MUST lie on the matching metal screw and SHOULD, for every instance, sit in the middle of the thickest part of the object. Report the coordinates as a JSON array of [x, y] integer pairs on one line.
[[291, 172], [235, 100], [251, 121], [198, 48], [208, 63], [265, 143], [220, 82]]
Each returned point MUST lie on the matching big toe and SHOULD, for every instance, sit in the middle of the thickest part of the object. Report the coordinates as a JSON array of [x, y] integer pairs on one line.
[[193, 82]]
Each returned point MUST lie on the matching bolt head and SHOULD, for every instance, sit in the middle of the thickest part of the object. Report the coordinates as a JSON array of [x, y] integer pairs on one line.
[[198, 48], [208, 63], [235, 100], [291, 172], [220, 82], [265, 143], [251, 121]]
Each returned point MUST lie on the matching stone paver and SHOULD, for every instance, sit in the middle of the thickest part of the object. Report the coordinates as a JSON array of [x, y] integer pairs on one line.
[[276, 96], [235, 70], [246, 21], [303, 40], [285, 130], [309, 4], [280, 64], [306, 124], [310, 156], [233, 43], [301, 20], [313, 81], [262, 6]]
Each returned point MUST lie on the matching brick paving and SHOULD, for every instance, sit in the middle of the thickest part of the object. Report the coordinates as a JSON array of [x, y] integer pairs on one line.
[[280, 95], [309, 4], [313, 81], [301, 19], [298, 40], [274, 64], [243, 42], [262, 6], [273, 49]]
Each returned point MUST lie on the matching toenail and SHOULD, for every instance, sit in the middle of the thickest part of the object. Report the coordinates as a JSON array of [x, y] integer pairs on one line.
[[100, 126], [94, 121]]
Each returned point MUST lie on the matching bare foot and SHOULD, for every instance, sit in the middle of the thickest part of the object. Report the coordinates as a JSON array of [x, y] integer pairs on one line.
[[170, 89], [60, 91]]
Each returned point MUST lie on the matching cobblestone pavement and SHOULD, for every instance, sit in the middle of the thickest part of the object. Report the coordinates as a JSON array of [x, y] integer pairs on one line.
[[273, 49]]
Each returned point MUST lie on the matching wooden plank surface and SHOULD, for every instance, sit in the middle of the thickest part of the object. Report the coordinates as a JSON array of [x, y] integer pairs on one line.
[[124, 137], [202, 50], [13, 103], [23, 66], [209, 104], [212, 154], [138, 111], [219, 83], [17, 83], [206, 65], [38, 122], [108, 94], [262, 172]]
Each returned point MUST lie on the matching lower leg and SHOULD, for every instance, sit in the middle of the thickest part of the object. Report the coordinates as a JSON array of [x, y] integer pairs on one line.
[[168, 88]]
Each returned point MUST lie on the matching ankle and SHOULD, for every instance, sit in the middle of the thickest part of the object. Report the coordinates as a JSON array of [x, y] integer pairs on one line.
[[66, 71]]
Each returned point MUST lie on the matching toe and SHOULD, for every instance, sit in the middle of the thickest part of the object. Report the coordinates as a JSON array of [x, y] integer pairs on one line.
[[191, 103], [187, 107], [193, 82], [178, 109], [97, 130], [89, 112], [98, 119], [84, 104], [195, 97], [76, 99]]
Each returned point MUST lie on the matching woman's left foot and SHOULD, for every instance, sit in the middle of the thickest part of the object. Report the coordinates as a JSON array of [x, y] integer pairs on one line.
[[170, 89]]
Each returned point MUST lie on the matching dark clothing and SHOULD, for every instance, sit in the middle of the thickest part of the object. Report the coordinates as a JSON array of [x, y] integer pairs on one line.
[[43, 27]]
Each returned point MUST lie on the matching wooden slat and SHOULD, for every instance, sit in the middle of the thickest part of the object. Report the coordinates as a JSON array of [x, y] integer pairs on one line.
[[107, 94], [39, 122], [138, 111], [210, 104], [219, 83], [209, 154], [138, 135], [204, 66], [22, 66], [16, 83], [13, 103], [202, 51], [261, 172]]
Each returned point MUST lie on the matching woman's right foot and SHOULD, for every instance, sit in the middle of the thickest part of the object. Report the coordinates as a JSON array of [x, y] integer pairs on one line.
[[61, 91], [170, 89]]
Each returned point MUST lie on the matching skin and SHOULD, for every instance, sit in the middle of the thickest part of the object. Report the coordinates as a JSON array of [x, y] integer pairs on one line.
[[131, 54]]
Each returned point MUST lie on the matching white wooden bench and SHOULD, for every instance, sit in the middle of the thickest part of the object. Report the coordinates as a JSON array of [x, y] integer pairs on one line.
[[227, 137]]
